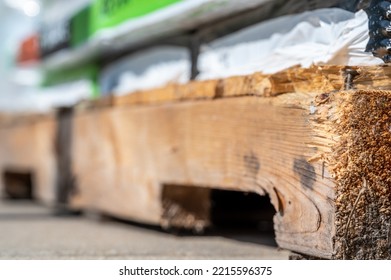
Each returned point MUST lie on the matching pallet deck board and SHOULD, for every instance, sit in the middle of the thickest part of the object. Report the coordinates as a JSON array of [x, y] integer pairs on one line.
[[316, 140], [316, 79]]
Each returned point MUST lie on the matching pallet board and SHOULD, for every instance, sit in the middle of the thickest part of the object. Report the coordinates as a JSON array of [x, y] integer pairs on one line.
[[249, 144], [317, 141]]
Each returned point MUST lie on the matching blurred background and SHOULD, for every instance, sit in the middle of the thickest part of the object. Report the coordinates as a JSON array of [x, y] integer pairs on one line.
[[23, 25]]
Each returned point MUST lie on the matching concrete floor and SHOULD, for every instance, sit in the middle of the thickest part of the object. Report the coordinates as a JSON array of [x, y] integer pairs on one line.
[[30, 231]]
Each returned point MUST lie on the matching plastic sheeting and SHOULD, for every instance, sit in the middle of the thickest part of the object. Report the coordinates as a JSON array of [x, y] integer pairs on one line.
[[44, 100], [148, 69], [179, 17], [325, 36]]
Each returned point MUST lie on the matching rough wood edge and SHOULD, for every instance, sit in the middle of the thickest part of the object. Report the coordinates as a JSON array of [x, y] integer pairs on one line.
[[315, 79], [358, 155]]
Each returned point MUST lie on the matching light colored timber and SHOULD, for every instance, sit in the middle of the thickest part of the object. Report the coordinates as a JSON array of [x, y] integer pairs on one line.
[[122, 157], [249, 144], [283, 135], [316, 79], [27, 146]]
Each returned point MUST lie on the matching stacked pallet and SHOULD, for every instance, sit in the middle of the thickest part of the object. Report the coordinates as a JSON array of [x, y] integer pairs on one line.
[[317, 141]]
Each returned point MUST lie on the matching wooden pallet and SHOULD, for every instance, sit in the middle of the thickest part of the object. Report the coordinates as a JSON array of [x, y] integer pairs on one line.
[[317, 141]]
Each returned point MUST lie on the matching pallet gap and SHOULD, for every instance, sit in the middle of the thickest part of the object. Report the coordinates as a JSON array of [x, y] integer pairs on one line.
[[244, 216], [18, 185]]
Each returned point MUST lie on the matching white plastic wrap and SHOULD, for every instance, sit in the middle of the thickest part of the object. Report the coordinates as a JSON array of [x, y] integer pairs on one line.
[[45, 99], [325, 36], [181, 16], [153, 68]]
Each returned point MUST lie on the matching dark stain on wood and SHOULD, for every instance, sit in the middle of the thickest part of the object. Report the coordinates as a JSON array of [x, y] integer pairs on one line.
[[219, 91], [252, 164], [306, 172], [65, 181]]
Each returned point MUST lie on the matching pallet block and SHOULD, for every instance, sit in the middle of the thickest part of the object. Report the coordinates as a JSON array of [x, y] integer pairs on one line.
[[317, 141], [27, 149]]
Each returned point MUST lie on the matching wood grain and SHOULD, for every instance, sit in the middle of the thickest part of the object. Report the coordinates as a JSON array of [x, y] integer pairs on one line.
[[122, 157]]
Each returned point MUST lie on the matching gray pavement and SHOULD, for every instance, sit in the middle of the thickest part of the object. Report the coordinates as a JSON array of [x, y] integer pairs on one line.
[[31, 231]]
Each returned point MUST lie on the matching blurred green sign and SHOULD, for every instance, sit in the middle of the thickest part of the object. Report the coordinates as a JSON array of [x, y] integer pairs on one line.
[[109, 13]]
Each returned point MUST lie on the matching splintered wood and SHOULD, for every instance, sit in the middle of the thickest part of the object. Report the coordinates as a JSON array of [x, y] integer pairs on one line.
[[317, 141], [360, 161]]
